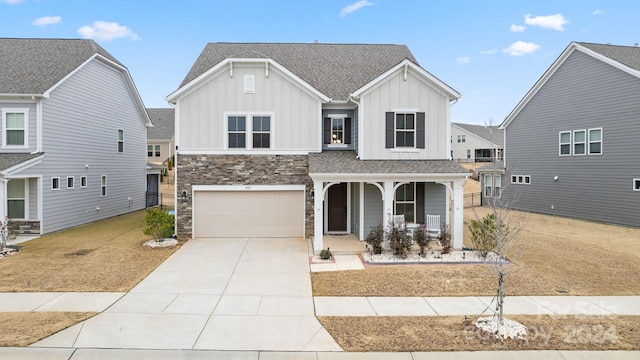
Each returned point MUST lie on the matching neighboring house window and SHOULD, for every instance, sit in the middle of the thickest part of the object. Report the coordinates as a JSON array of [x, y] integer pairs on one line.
[[461, 138], [636, 184], [120, 141], [406, 202], [15, 127], [565, 143], [70, 182], [103, 185], [16, 199], [83, 181], [237, 129], [404, 130], [468, 153], [261, 132], [595, 141], [521, 179], [493, 185], [157, 150], [55, 183], [149, 150], [579, 142]]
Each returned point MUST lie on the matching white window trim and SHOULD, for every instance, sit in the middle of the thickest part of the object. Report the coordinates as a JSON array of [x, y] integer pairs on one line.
[[73, 181], [573, 141], [149, 151], [4, 128], [521, 179], [461, 138], [53, 188], [25, 199], [415, 130], [589, 141], [249, 130], [414, 202], [560, 143], [103, 186], [85, 180], [157, 151], [636, 182]]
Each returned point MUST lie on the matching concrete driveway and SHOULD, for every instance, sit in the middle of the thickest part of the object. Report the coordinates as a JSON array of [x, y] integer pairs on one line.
[[214, 294]]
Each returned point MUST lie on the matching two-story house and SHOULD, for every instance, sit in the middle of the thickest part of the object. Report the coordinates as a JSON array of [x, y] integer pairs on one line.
[[161, 137], [301, 140], [476, 143], [73, 141], [572, 142]]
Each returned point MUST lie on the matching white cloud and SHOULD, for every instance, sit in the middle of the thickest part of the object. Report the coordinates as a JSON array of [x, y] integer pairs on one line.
[[463, 60], [355, 6], [598, 12], [11, 2], [106, 31], [555, 22], [520, 48], [46, 20], [517, 28], [488, 52]]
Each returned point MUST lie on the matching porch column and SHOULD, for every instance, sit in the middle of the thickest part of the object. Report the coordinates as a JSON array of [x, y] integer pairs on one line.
[[3, 199], [458, 214], [318, 213], [387, 204]]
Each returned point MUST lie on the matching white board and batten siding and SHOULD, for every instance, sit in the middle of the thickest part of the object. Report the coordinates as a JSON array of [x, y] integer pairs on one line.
[[80, 126], [294, 110], [584, 93], [239, 211], [398, 95]]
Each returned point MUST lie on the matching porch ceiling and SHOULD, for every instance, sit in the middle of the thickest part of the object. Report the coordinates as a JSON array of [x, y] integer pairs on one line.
[[345, 164]]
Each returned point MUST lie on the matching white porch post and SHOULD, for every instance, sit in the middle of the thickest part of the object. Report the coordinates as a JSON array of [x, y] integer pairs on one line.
[[318, 213], [387, 204], [3, 199], [458, 214]]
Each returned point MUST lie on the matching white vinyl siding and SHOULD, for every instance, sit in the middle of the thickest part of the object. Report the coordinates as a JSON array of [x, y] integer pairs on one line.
[[203, 112]]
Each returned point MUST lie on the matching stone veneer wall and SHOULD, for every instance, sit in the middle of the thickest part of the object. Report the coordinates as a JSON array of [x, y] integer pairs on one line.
[[239, 170]]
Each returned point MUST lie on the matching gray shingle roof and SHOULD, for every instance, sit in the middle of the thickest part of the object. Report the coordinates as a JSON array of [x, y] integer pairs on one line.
[[492, 134], [627, 55], [336, 70], [8, 160], [345, 162], [32, 66], [163, 120]]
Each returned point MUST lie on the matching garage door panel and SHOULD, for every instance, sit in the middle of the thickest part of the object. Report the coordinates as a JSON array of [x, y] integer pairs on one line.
[[249, 214]]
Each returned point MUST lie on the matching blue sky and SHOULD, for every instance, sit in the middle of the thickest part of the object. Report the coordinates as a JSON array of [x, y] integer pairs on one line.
[[492, 52]]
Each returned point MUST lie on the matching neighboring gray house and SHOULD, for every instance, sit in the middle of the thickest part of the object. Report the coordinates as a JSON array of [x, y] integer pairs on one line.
[[73, 139], [302, 140], [160, 137], [476, 143], [573, 142]]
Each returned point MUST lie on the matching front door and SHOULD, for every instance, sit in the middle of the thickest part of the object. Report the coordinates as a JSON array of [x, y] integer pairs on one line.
[[337, 207]]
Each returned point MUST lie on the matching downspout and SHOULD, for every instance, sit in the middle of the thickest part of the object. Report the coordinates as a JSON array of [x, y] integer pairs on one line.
[[38, 124]]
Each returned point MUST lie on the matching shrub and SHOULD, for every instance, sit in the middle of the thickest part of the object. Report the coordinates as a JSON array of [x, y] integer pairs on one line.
[[6, 233], [484, 234], [375, 237], [158, 224], [399, 240], [445, 239], [421, 238], [325, 254]]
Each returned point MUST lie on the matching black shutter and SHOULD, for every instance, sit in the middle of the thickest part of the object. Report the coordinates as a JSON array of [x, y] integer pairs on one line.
[[389, 133], [347, 130], [420, 133], [420, 203], [327, 130]]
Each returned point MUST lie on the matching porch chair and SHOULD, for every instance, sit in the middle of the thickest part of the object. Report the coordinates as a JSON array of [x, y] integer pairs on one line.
[[398, 220], [433, 226]]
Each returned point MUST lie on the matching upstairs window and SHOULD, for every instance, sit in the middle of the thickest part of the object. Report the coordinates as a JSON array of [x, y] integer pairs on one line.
[[579, 141], [120, 140], [261, 132], [157, 150], [15, 127], [405, 130], [565, 143], [461, 138], [337, 130], [595, 141], [149, 150], [237, 128]]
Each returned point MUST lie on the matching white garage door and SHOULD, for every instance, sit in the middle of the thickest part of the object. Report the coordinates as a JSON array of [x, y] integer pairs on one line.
[[249, 214]]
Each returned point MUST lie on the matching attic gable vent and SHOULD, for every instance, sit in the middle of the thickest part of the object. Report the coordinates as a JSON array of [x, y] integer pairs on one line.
[[249, 84]]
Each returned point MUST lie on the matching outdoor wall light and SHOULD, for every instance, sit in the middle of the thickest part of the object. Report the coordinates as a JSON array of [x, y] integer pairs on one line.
[[184, 196], [555, 178]]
